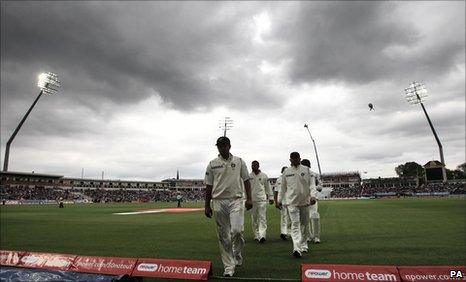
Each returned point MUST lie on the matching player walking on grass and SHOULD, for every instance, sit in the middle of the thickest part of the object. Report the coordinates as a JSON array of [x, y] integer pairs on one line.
[[314, 225], [179, 198], [296, 187], [285, 222], [224, 177], [261, 192]]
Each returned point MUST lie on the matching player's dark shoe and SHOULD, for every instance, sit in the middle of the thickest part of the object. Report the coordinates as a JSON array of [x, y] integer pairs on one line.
[[262, 240], [283, 237], [239, 260], [257, 240], [297, 254]]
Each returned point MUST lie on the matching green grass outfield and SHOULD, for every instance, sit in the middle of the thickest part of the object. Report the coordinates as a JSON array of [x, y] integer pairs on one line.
[[376, 232]]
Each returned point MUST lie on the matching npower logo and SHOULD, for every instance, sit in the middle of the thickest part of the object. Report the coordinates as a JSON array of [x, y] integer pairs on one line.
[[148, 267], [57, 263], [29, 259], [318, 273]]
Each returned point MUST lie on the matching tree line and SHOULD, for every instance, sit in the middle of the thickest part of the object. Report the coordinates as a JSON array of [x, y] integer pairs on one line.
[[413, 169]]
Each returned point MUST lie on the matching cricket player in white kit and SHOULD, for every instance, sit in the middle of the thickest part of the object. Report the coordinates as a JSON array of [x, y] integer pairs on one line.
[[261, 192], [296, 187], [315, 215], [285, 221], [224, 177], [314, 225]]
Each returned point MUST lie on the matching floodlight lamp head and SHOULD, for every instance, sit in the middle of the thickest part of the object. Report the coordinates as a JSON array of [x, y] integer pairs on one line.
[[48, 83], [416, 93]]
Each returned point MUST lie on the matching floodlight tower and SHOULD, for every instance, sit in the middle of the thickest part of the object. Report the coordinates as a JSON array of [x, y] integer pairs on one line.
[[315, 148], [225, 125], [416, 93], [48, 83]]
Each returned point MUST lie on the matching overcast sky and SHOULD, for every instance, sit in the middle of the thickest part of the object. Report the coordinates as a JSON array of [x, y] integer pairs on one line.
[[144, 85]]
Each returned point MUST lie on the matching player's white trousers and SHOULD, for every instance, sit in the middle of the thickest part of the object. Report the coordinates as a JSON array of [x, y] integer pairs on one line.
[[299, 227], [314, 226], [229, 218], [259, 219], [243, 207], [285, 221]]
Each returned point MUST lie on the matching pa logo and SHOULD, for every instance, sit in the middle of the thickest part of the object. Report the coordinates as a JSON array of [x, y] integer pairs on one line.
[[233, 165], [302, 173]]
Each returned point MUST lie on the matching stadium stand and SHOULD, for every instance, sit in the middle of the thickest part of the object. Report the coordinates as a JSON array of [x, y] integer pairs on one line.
[[20, 186], [40, 193], [21, 193], [346, 192], [341, 179], [41, 187]]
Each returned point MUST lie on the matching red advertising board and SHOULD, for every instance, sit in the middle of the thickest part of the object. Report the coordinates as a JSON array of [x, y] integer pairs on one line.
[[341, 272], [104, 265], [178, 269], [432, 273], [10, 258], [46, 260]]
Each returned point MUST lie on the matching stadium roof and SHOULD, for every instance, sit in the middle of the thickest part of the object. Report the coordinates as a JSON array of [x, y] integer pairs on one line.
[[108, 180], [347, 173], [17, 173], [181, 180], [433, 164]]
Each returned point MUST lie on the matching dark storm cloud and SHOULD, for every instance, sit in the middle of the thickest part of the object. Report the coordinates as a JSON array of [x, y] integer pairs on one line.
[[76, 39], [410, 123], [377, 155], [447, 123], [127, 51], [360, 42], [113, 57]]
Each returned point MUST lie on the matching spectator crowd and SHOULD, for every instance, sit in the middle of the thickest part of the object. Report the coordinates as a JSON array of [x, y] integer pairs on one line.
[[368, 191], [39, 193], [98, 195], [192, 195]]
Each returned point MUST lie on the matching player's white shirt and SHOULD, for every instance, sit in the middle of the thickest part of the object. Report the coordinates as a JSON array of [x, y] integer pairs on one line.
[[226, 177], [313, 184], [317, 182], [277, 188], [260, 187], [296, 185]]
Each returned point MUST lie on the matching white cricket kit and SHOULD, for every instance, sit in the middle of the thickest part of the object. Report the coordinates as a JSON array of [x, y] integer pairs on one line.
[[285, 221], [277, 187], [260, 187], [313, 184], [261, 193], [296, 189], [314, 226], [243, 207], [226, 177], [296, 186]]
